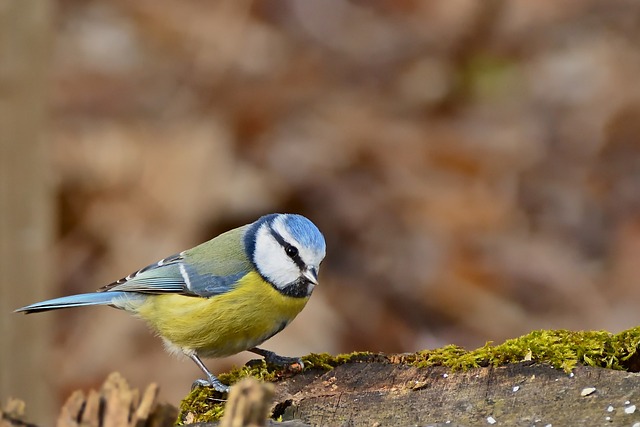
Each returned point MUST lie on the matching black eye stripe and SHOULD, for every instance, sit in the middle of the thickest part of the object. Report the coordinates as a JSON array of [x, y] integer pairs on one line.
[[295, 257]]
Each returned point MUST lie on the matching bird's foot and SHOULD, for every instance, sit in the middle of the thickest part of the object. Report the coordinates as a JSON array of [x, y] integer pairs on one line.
[[212, 382], [291, 362], [274, 359]]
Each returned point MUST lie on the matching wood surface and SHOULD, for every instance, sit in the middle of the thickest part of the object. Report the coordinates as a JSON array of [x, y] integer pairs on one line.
[[378, 393], [524, 394]]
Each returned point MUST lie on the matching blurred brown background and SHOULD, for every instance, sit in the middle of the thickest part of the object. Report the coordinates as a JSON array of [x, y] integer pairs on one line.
[[473, 165]]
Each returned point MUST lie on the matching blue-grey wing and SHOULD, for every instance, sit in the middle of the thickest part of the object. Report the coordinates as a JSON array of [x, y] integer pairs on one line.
[[174, 275]]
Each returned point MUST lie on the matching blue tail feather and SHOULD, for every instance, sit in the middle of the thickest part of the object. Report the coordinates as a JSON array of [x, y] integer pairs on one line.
[[80, 300]]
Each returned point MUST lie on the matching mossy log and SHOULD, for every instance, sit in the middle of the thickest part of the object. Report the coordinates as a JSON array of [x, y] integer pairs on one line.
[[544, 378]]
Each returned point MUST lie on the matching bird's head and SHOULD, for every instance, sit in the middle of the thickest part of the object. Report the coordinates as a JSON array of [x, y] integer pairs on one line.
[[286, 249]]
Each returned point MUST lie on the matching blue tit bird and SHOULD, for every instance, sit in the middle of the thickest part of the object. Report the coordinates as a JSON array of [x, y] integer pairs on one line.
[[224, 296]]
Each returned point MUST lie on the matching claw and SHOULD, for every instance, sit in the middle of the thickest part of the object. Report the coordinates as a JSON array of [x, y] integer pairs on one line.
[[212, 382]]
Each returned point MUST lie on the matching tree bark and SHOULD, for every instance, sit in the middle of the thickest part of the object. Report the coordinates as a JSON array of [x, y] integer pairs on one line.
[[523, 394]]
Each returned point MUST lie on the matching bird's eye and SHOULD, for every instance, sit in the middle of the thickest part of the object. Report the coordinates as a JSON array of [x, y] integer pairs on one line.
[[291, 250]]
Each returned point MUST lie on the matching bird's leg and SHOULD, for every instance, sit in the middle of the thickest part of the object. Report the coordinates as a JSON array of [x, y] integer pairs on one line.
[[274, 359], [211, 380]]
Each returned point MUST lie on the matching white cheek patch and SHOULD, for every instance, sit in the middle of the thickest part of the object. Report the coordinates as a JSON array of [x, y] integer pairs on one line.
[[271, 260]]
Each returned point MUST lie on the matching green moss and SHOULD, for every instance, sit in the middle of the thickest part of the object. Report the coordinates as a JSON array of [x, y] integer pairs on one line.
[[326, 362], [207, 405], [559, 348], [201, 404]]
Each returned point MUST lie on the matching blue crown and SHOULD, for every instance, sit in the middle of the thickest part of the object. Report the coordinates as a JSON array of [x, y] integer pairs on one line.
[[305, 232]]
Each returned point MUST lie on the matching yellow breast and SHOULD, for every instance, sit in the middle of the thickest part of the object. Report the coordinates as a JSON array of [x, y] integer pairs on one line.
[[224, 324]]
